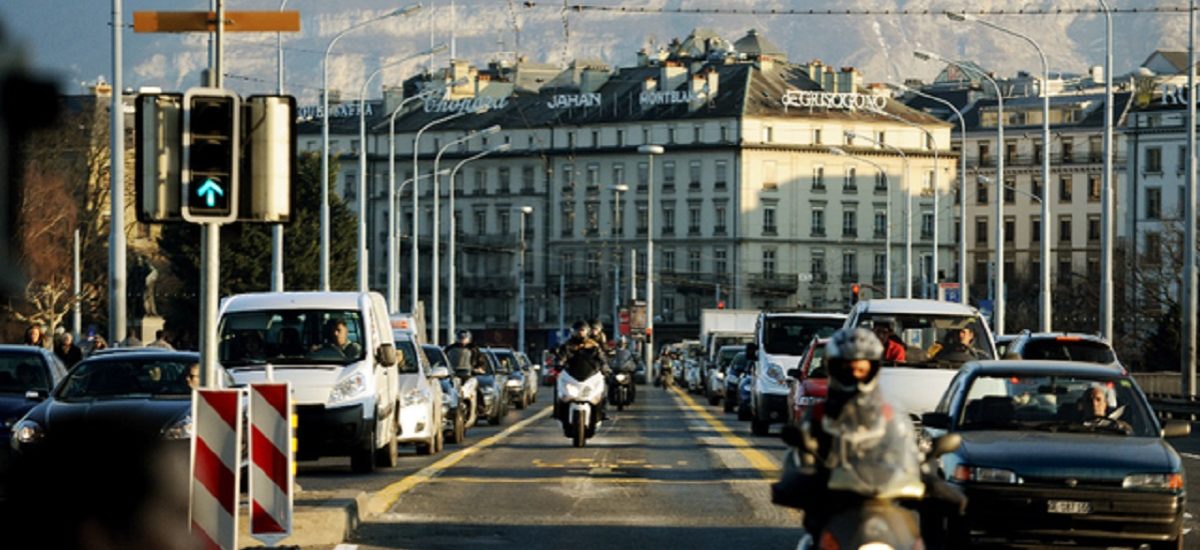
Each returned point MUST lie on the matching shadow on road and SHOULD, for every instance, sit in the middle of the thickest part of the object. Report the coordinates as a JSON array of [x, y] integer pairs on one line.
[[536, 537]]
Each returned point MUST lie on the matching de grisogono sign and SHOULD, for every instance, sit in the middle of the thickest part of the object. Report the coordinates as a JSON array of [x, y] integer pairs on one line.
[[830, 100]]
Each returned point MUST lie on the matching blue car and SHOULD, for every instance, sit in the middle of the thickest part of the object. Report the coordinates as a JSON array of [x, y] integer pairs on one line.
[[27, 374]]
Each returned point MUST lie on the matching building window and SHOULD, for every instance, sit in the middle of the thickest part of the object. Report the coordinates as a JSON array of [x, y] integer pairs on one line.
[[720, 266], [1035, 187], [1093, 229], [694, 260], [1064, 230], [643, 176], [694, 174], [719, 221], [668, 260], [592, 211], [668, 224], [817, 136], [851, 183], [818, 178], [1037, 151], [1153, 203], [694, 219], [668, 175], [768, 263], [1068, 150], [670, 134], [818, 221], [1010, 191], [593, 177], [768, 134], [817, 268], [620, 138], [849, 267], [724, 133], [697, 134], [881, 181], [568, 178], [1095, 149], [668, 308], [618, 174], [595, 138], [504, 219], [722, 174], [769, 221], [1010, 151], [1035, 230], [646, 136], [1181, 164], [1153, 252], [481, 222], [981, 230], [849, 222], [643, 218], [981, 191], [527, 179], [985, 153], [568, 218], [981, 272], [1094, 187], [770, 179], [568, 263], [926, 225], [1064, 189], [880, 223], [1010, 230], [349, 186], [879, 270], [1153, 160], [504, 179], [881, 137], [570, 140]]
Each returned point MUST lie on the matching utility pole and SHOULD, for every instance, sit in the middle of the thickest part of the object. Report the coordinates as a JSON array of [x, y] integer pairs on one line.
[[1190, 282], [116, 228]]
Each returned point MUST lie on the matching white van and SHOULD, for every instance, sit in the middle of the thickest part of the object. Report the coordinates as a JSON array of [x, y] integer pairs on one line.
[[782, 339], [337, 350]]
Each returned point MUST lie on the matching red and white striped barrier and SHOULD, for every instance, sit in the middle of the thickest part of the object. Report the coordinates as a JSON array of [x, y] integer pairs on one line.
[[216, 449], [271, 462]]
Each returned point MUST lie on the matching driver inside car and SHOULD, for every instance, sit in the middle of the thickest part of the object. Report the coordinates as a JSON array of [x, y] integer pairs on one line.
[[1094, 408]]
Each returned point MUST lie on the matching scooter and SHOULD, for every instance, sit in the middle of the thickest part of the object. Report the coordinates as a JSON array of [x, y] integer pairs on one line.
[[621, 390], [577, 405]]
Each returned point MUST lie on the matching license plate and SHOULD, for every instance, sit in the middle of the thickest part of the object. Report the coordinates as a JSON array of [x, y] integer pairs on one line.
[[1068, 507]]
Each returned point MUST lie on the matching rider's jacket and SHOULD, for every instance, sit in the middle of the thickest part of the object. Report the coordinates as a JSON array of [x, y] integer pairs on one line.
[[581, 357]]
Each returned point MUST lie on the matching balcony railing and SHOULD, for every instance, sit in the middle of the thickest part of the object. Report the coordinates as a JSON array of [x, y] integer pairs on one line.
[[773, 283]]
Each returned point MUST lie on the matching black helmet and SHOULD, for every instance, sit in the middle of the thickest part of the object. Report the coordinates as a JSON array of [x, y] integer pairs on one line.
[[580, 326], [464, 334], [847, 345]]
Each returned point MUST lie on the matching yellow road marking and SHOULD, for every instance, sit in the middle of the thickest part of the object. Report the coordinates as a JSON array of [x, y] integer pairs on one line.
[[383, 500], [576, 479], [757, 459]]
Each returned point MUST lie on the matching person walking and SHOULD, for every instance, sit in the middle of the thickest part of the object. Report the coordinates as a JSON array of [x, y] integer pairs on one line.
[[35, 337], [66, 350], [160, 340]]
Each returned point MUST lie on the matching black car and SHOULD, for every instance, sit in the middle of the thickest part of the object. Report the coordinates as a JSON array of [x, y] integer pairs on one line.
[[147, 392], [733, 381], [1055, 451], [493, 404], [516, 388], [27, 374], [454, 407]]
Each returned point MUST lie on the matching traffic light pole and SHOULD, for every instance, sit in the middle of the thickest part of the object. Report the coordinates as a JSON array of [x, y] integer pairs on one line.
[[210, 237]]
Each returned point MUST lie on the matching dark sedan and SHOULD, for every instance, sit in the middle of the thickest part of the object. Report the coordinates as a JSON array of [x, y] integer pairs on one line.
[[1056, 452], [149, 392], [27, 374]]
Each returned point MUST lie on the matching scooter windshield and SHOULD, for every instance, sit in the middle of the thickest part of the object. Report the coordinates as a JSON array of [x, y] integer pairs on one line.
[[874, 451]]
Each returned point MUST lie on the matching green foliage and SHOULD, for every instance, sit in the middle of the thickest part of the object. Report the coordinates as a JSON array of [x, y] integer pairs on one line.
[[246, 249], [1161, 352]]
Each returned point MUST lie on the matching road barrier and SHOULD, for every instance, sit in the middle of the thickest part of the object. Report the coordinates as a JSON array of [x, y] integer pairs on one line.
[[216, 450], [272, 462]]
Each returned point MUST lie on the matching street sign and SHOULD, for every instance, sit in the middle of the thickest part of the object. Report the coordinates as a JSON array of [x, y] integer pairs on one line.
[[206, 21], [637, 317], [211, 152], [623, 320], [950, 292]]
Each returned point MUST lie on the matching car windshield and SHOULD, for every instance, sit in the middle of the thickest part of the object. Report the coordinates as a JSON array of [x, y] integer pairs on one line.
[[1055, 403], [934, 340], [738, 365], [787, 335], [408, 357], [435, 356], [816, 367], [127, 377], [506, 360], [22, 372], [726, 355], [292, 336], [1068, 349]]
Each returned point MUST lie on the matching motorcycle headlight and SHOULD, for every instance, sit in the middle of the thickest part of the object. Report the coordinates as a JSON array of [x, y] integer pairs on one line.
[[488, 389], [622, 377], [415, 396], [585, 392], [876, 546], [1172, 482], [181, 429], [349, 388], [720, 375], [775, 372], [27, 431], [986, 475], [513, 383]]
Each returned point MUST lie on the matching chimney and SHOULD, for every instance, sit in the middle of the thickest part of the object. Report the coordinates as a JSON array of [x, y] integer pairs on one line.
[[848, 81], [592, 79], [703, 86], [672, 75], [649, 84], [829, 80], [643, 58], [765, 63], [392, 96]]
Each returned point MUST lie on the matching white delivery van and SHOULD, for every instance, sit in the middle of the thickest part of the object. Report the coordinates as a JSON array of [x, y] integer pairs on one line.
[[337, 351], [782, 339]]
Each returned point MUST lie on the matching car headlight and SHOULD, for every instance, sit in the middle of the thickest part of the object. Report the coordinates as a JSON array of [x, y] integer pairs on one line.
[[775, 372], [349, 388], [27, 431], [415, 396], [1172, 482], [622, 377], [10, 422], [488, 389], [986, 475], [720, 375], [513, 383], [181, 429]]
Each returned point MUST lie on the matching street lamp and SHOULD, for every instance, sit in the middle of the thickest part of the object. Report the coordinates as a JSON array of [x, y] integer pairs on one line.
[[908, 218], [1044, 302], [416, 266], [908, 200], [887, 250], [453, 314], [650, 151], [437, 228], [962, 185], [999, 298], [524, 211], [619, 231], [325, 134], [363, 260], [394, 226], [277, 229]]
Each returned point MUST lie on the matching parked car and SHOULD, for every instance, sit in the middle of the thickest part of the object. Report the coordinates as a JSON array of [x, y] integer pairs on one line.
[[782, 339], [27, 375], [531, 375], [733, 381], [1062, 452], [1061, 346], [338, 351], [516, 389], [457, 407], [809, 383], [492, 389], [714, 386]]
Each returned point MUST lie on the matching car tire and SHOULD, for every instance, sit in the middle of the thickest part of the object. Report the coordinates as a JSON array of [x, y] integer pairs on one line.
[[522, 402], [759, 427], [439, 442], [727, 405], [460, 427], [714, 399], [362, 460], [389, 455], [494, 419]]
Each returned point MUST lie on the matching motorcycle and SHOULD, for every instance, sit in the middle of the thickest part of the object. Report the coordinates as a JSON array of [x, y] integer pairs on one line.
[[620, 389], [876, 478], [692, 375], [577, 405], [666, 374]]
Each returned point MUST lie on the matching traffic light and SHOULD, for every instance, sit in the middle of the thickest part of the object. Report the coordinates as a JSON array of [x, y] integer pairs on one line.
[[854, 293], [211, 155]]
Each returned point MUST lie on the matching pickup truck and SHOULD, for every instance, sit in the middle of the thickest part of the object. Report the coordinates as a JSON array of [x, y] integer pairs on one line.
[[931, 332]]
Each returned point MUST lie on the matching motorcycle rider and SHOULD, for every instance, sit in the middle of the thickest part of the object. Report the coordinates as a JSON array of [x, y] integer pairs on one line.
[[465, 358], [581, 357], [624, 361]]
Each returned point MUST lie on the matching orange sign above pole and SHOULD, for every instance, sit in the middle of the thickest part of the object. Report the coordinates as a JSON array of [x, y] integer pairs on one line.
[[206, 21]]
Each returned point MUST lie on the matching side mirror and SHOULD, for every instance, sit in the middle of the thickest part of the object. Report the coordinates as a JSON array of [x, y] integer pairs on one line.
[[386, 355], [439, 372], [946, 444], [936, 420], [1177, 428], [794, 373]]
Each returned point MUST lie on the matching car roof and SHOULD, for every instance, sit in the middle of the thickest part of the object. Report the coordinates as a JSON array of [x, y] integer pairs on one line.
[[31, 350], [901, 306], [293, 300], [1043, 367], [731, 347], [1069, 335], [806, 315]]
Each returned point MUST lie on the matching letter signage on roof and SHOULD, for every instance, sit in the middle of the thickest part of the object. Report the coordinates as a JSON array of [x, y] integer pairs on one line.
[[468, 104], [1173, 94], [572, 101], [669, 97], [342, 110], [830, 100]]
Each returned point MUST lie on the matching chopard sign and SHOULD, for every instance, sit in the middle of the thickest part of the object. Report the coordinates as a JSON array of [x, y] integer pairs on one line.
[[460, 105], [572, 101], [829, 100]]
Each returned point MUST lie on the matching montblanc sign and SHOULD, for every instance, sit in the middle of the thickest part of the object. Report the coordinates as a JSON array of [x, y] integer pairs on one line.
[[573, 101], [829, 100], [465, 105], [669, 97]]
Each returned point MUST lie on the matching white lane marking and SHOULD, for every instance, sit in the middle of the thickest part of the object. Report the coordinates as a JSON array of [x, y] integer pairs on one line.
[[1190, 455], [346, 547]]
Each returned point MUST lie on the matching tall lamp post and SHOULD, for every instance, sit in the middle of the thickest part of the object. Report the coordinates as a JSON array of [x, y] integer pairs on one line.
[[908, 217], [453, 291], [277, 229], [887, 249], [437, 229], [650, 151], [325, 135], [397, 197], [1108, 231], [524, 211], [363, 258], [908, 199], [1044, 306], [962, 184], [999, 300], [619, 232]]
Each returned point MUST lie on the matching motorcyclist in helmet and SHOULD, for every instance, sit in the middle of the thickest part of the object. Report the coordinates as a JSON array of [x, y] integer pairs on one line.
[[624, 361], [465, 357], [581, 356]]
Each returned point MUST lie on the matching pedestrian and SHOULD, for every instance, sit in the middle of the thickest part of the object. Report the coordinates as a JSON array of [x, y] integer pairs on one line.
[[160, 340], [98, 343], [66, 350], [131, 340], [35, 337]]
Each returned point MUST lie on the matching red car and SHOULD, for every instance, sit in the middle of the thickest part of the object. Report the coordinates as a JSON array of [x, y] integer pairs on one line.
[[808, 384]]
